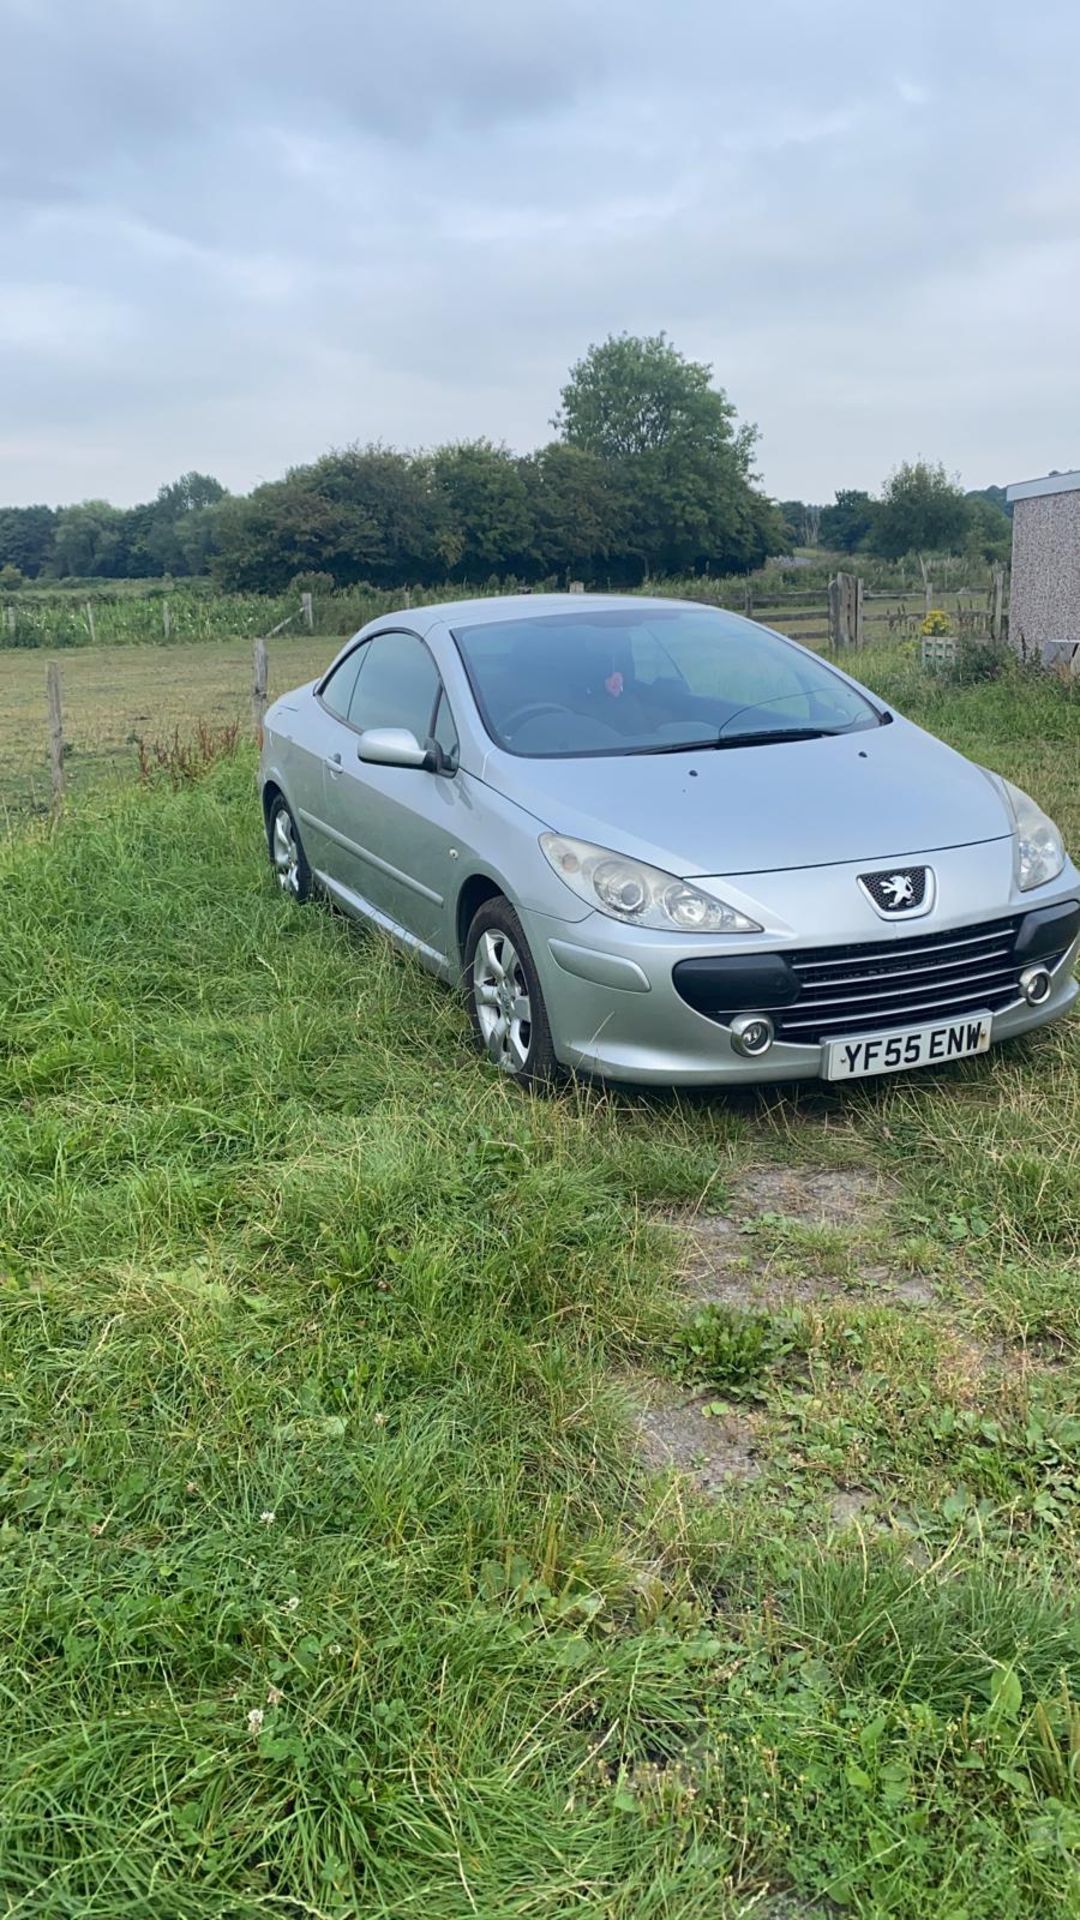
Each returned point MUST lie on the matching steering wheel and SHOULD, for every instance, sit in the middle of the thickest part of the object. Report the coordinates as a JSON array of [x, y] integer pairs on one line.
[[530, 711]]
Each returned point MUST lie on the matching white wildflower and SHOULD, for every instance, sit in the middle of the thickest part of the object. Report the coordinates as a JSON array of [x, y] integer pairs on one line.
[[255, 1721], [291, 1605], [268, 1516], [274, 1696]]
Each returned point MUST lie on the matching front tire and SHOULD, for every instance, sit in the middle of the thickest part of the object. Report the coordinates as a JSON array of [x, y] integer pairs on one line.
[[287, 856], [506, 1005]]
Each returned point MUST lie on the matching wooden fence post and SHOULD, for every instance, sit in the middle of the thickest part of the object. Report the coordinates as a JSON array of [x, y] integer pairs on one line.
[[166, 619], [90, 624], [10, 616], [837, 609], [845, 612], [56, 734], [259, 684], [308, 611], [748, 601]]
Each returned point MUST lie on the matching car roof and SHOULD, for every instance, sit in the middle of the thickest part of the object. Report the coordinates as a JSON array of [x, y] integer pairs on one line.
[[520, 606]]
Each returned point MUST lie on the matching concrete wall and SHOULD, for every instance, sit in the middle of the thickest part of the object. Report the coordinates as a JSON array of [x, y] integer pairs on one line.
[[1045, 599]]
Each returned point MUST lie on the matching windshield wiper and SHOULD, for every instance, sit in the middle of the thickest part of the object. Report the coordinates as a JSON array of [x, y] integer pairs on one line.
[[765, 739], [771, 736]]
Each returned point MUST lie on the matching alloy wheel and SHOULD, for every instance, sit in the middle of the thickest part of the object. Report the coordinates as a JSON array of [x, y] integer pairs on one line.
[[285, 852], [501, 994]]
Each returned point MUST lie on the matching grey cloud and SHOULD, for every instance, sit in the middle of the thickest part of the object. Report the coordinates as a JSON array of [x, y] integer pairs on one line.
[[238, 233]]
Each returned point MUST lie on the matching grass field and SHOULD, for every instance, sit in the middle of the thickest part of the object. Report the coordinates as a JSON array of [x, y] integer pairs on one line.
[[335, 1581], [115, 695]]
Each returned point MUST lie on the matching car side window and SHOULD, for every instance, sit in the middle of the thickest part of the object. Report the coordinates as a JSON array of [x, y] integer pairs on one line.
[[398, 687], [339, 689]]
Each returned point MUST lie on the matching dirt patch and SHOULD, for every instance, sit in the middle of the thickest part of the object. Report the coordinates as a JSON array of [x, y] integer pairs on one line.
[[714, 1451], [848, 1506], [724, 1268], [843, 1197], [909, 1291], [784, 1906], [725, 1263]]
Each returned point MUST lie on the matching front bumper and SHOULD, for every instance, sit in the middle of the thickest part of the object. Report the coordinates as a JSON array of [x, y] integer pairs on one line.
[[615, 1011]]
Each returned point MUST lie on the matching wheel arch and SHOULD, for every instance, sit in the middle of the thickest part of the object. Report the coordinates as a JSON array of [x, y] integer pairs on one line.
[[272, 792], [475, 890]]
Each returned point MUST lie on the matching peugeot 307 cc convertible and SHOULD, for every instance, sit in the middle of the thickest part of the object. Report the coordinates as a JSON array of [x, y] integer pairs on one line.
[[660, 843]]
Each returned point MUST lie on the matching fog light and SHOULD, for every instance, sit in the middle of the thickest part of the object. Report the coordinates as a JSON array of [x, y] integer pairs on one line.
[[752, 1033], [1036, 985]]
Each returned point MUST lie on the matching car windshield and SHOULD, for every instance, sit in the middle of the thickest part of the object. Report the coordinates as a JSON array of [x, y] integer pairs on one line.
[[658, 680]]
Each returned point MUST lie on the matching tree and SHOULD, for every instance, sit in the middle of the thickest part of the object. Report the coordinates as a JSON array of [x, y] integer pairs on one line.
[[802, 522], [683, 464], [631, 396], [485, 525], [989, 531], [93, 541], [846, 526], [578, 511], [393, 492], [922, 511], [26, 538], [11, 578], [287, 527]]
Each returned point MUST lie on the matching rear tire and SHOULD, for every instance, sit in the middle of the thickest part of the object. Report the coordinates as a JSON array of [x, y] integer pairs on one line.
[[506, 1005], [287, 856]]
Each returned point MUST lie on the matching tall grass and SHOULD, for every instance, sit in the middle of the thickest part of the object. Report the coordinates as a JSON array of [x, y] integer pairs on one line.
[[330, 1585]]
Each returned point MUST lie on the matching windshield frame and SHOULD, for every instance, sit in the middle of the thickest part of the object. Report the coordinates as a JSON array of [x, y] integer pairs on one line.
[[877, 715]]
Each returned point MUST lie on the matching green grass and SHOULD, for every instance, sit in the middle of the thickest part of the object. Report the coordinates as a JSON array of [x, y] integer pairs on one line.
[[311, 1354]]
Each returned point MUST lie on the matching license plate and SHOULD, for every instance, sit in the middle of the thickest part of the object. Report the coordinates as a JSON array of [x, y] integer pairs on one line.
[[911, 1047]]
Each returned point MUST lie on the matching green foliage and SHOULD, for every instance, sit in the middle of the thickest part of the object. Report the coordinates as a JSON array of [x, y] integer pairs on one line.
[[485, 523], [847, 525], [26, 538], [989, 529], [802, 522], [631, 396], [921, 511], [671, 439], [977, 660], [11, 579], [732, 1351]]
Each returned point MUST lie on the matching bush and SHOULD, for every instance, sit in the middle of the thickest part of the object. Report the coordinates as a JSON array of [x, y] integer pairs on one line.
[[313, 583], [980, 660]]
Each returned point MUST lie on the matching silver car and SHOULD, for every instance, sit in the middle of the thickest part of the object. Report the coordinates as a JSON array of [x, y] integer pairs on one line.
[[661, 843]]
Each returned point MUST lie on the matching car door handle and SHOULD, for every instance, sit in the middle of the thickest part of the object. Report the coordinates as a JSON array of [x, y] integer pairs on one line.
[[333, 763]]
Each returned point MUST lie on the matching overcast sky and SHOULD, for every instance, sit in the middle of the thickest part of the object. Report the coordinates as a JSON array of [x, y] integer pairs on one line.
[[236, 232]]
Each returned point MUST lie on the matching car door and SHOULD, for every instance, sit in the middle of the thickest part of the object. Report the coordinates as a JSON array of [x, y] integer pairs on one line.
[[394, 827], [326, 735]]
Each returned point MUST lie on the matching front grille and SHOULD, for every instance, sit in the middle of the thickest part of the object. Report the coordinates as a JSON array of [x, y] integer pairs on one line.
[[897, 983], [897, 890]]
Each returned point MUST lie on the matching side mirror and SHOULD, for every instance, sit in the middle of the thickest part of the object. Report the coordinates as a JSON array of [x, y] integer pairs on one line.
[[392, 747]]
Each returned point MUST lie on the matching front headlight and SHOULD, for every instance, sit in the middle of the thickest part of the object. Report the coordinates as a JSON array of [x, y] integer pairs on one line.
[[1040, 850], [640, 896]]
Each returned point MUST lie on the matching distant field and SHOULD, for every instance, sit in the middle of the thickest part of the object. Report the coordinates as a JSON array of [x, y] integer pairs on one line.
[[112, 695]]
